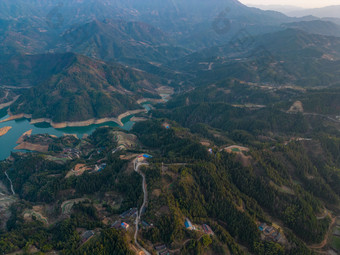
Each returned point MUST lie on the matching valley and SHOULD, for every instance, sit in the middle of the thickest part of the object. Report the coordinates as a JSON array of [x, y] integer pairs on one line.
[[239, 108]]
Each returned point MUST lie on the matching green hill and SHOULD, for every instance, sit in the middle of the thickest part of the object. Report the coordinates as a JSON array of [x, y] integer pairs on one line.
[[286, 57], [69, 87], [116, 40]]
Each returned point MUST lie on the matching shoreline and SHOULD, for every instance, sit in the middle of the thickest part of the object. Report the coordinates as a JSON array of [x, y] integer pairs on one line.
[[65, 124], [22, 137], [4, 130], [32, 147], [4, 105]]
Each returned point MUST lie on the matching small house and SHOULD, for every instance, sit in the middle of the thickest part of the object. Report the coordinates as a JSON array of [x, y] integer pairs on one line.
[[278, 237], [125, 226], [87, 235], [188, 224], [207, 229], [141, 158], [160, 247], [269, 230]]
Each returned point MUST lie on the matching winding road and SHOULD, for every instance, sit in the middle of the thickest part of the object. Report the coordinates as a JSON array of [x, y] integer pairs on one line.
[[10, 181], [329, 232], [323, 116], [136, 168]]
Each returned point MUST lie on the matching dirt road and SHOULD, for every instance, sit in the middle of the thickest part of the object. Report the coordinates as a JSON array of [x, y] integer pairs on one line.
[[325, 241]]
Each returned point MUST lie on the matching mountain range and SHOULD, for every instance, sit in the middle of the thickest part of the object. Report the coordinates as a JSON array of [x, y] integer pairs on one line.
[[235, 129], [185, 46], [324, 12], [287, 57], [116, 40]]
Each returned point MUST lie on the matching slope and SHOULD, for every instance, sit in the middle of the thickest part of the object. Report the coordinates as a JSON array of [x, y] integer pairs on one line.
[[69, 87], [285, 57], [316, 27], [117, 40], [194, 24]]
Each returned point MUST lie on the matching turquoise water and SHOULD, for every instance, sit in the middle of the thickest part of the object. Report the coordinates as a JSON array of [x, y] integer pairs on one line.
[[8, 141], [147, 106]]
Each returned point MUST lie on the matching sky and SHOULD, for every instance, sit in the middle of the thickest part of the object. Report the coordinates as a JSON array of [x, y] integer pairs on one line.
[[299, 3]]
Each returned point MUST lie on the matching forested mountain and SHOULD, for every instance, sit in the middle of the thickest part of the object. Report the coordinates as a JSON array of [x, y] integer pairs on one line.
[[25, 35], [117, 40], [70, 87], [287, 57], [208, 24], [233, 146], [316, 27]]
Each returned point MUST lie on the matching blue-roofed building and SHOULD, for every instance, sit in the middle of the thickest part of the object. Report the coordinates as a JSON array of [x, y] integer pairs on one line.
[[102, 167], [262, 226], [147, 156], [166, 125], [188, 224]]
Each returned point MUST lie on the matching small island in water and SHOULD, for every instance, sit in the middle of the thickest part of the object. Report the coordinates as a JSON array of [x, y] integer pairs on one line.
[[4, 130]]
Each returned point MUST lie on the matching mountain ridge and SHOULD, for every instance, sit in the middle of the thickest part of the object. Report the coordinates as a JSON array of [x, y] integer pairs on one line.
[[82, 89]]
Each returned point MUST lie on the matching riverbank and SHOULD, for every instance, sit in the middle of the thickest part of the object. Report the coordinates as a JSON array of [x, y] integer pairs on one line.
[[65, 124], [5, 105], [22, 137], [4, 130]]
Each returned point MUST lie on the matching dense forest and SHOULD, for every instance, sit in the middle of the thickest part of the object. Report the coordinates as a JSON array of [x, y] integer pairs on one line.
[[282, 182], [233, 146]]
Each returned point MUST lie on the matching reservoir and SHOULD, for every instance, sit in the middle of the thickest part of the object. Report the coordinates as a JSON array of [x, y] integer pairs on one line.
[[8, 141]]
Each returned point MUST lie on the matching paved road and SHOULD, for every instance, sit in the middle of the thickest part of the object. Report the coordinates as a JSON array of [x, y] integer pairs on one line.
[[136, 168]]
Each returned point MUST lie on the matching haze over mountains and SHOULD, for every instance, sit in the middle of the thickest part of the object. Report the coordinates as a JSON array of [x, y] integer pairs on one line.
[[170, 40], [325, 12], [294, 11]]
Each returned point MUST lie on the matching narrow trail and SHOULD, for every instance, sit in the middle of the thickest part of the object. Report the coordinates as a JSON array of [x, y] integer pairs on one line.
[[329, 232], [7, 93], [136, 168], [10, 181], [322, 115], [184, 243]]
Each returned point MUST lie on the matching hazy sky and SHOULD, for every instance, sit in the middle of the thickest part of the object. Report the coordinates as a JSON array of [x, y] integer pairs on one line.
[[301, 3]]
